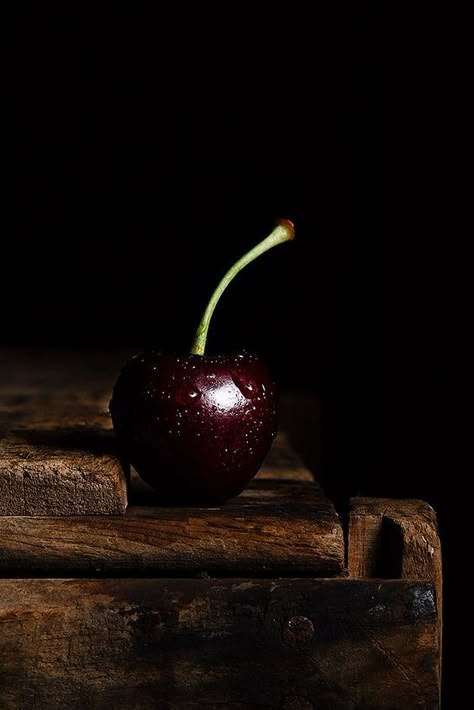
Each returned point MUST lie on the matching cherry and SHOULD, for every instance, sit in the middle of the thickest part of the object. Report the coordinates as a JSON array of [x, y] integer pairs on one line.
[[197, 427]]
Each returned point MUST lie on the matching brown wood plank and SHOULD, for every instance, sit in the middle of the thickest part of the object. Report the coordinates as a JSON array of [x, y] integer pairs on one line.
[[395, 538], [274, 527], [58, 457], [177, 644], [41, 475]]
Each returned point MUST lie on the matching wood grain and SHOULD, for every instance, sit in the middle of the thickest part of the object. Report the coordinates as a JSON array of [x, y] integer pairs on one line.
[[236, 643], [274, 527], [58, 455], [395, 538], [39, 479]]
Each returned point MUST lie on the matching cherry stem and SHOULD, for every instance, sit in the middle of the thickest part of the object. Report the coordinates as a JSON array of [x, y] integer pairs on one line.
[[283, 232]]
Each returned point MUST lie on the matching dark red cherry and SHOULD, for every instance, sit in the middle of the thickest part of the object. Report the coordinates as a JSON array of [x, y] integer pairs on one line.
[[196, 428]]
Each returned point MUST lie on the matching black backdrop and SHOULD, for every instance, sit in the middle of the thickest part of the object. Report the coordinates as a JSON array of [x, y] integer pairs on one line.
[[136, 176]]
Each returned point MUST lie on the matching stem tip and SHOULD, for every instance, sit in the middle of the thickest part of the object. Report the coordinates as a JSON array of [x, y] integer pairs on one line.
[[289, 225]]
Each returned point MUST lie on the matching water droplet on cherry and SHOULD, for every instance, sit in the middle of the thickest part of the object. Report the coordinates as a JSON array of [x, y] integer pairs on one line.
[[248, 389], [188, 394]]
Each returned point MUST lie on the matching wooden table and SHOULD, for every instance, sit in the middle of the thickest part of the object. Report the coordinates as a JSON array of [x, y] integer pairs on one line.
[[108, 600]]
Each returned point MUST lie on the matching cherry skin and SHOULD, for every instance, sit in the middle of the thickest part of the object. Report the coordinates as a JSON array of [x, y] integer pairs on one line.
[[196, 428]]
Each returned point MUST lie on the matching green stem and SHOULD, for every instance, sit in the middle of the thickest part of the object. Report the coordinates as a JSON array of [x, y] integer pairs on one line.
[[283, 232]]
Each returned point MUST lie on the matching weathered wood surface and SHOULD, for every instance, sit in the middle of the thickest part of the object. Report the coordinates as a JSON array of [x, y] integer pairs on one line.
[[58, 455], [394, 538], [274, 527], [175, 644], [390, 538], [44, 479]]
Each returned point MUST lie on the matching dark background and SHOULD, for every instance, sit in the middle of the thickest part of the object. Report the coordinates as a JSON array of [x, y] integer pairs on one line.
[[142, 159], [136, 175]]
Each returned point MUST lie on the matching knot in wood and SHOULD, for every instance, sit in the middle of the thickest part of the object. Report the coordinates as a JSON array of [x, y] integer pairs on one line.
[[298, 631]]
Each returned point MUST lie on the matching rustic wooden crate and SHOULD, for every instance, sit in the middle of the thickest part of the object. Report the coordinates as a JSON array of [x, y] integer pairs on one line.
[[256, 604]]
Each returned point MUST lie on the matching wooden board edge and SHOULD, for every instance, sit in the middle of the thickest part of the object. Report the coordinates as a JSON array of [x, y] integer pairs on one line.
[[392, 538]]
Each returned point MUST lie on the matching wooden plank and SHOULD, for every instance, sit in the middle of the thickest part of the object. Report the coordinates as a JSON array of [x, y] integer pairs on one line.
[[60, 458], [274, 527], [39, 476], [41, 481], [178, 644], [58, 454], [395, 538]]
